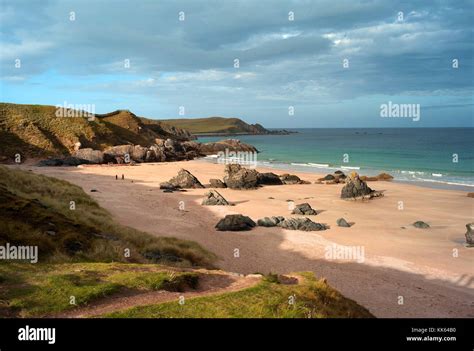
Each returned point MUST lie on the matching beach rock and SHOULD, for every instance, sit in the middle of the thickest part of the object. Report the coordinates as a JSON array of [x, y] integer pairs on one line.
[[341, 222], [470, 194], [213, 198], [185, 180], [270, 221], [139, 153], [50, 162], [228, 145], [356, 188], [304, 209], [216, 183], [269, 179], [91, 155], [421, 225], [335, 178], [328, 177], [470, 234], [74, 161], [235, 222], [380, 177], [167, 186], [238, 177], [301, 224], [291, 179]]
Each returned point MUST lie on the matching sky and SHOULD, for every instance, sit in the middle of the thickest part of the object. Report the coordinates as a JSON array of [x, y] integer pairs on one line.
[[300, 63]]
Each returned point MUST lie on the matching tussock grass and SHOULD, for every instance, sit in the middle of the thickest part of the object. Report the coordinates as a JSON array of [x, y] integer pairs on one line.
[[313, 298], [35, 210], [37, 290]]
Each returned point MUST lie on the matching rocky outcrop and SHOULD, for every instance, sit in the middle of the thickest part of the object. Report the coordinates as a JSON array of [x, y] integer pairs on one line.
[[216, 183], [421, 225], [304, 209], [470, 194], [291, 179], [228, 145], [470, 234], [213, 198], [184, 180], [238, 177], [356, 188], [335, 178], [380, 177], [304, 224], [270, 221], [92, 156], [269, 179], [235, 222], [341, 222]]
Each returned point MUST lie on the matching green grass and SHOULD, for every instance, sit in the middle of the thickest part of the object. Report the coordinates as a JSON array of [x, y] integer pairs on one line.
[[36, 131], [312, 299], [32, 205], [214, 125], [42, 289]]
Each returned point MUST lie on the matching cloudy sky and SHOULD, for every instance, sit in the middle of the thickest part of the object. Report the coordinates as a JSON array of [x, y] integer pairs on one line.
[[334, 61]]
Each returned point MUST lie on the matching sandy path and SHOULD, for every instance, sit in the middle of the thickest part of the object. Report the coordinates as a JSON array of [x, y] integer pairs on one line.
[[209, 284], [430, 270]]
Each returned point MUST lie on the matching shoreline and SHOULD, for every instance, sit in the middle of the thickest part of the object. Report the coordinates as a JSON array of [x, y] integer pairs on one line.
[[322, 171], [399, 259]]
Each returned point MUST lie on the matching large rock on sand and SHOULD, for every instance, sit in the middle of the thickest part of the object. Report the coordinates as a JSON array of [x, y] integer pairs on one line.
[[341, 222], [270, 221], [292, 179], [213, 198], [91, 155], [238, 177], [304, 224], [356, 188], [301, 224], [304, 209], [216, 183], [470, 234], [269, 179], [421, 225], [235, 222], [185, 180]]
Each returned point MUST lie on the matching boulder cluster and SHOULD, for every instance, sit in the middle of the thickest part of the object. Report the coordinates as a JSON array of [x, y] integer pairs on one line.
[[238, 177], [162, 150], [238, 222]]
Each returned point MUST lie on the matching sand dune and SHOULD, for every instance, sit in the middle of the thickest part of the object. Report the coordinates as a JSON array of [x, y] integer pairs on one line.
[[421, 266]]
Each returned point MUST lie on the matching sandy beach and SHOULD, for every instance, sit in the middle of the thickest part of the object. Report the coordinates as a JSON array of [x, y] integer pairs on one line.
[[406, 272]]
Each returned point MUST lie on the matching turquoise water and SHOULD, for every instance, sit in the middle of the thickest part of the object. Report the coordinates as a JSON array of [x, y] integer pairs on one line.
[[409, 154]]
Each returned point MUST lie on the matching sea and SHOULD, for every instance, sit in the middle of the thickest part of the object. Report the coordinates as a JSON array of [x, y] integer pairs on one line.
[[434, 157]]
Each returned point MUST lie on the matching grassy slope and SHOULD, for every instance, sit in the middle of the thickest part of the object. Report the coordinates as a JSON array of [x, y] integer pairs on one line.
[[35, 131], [41, 289], [313, 299], [32, 205], [212, 125]]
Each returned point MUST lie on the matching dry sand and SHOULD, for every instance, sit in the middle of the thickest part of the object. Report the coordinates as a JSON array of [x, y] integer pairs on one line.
[[429, 269]]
